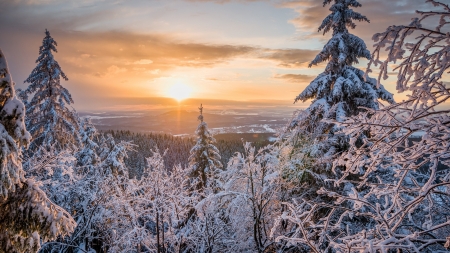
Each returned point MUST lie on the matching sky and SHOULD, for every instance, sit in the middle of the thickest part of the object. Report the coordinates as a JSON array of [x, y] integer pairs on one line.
[[116, 50]]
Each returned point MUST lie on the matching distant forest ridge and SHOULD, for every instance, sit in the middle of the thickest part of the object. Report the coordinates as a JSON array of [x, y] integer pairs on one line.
[[178, 148]]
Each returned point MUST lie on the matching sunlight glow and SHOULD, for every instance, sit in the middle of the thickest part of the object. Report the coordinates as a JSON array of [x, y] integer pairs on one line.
[[179, 91]]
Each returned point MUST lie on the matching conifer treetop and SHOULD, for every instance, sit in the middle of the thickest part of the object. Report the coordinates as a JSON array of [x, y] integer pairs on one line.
[[341, 16], [343, 48], [200, 117], [341, 87], [47, 69], [341, 90], [49, 119], [204, 157]]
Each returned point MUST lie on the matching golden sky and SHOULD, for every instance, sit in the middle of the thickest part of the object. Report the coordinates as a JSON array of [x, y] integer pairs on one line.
[[211, 49]]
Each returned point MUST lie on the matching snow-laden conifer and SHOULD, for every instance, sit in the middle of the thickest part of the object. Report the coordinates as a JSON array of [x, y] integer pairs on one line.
[[396, 179], [204, 160], [112, 155], [87, 156], [341, 90], [27, 216], [49, 118]]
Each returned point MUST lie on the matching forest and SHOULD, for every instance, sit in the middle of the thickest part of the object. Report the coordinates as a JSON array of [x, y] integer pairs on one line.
[[357, 171]]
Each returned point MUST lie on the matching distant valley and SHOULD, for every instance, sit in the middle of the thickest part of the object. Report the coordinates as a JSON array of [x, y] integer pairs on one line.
[[184, 123]]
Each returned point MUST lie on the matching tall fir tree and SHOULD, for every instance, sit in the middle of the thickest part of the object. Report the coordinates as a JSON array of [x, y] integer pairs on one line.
[[48, 117], [341, 90], [204, 160], [27, 216]]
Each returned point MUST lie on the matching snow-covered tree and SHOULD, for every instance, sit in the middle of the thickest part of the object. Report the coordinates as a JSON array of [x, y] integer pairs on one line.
[[27, 215], [87, 156], [147, 214], [397, 171], [250, 197], [209, 230], [112, 155], [89, 195], [57, 173], [204, 161], [341, 90], [49, 118]]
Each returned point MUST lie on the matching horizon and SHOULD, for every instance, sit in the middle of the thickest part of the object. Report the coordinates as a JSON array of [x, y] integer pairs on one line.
[[116, 104]]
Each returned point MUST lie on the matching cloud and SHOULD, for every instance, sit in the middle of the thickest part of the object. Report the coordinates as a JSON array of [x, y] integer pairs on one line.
[[114, 70], [143, 62], [100, 46], [381, 14], [295, 77], [224, 77], [159, 53], [290, 58], [227, 1]]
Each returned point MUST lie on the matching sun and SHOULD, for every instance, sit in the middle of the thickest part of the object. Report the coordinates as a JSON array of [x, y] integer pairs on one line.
[[179, 91]]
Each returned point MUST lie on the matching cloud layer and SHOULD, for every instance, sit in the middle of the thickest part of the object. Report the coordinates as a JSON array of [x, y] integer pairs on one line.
[[104, 56]]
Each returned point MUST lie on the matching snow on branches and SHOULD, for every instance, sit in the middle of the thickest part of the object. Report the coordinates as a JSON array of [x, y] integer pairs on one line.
[[48, 117], [147, 213], [394, 179], [28, 216], [204, 160], [341, 90]]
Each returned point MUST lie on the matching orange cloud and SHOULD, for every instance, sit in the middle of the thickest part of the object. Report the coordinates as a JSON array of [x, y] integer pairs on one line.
[[295, 77], [290, 58]]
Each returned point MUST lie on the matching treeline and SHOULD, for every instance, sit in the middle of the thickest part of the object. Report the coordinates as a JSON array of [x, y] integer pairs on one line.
[[177, 149]]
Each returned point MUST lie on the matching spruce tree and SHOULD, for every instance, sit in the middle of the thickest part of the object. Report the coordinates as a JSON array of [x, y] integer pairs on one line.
[[204, 160], [48, 117], [341, 90], [27, 216]]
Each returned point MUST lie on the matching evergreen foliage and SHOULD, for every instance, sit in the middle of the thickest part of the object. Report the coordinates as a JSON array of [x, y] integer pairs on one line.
[[204, 161], [49, 118], [341, 90], [390, 187], [87, 156], [177, 149], [27, 216]]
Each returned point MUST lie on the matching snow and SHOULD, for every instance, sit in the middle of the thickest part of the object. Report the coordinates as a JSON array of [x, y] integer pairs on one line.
[[343, 176]]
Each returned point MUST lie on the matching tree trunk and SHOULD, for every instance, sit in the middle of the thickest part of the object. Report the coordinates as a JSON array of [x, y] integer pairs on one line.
[[163, 243], [158, 248]]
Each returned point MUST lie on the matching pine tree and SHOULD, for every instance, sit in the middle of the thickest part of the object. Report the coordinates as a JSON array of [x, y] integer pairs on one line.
[[341, 90], [48, 117], [204, 160], [27, 216]]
